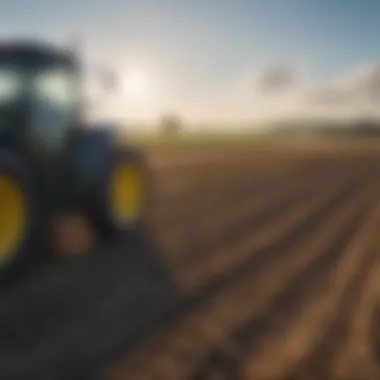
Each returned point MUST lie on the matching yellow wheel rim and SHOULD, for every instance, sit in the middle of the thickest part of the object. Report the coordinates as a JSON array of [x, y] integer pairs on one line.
[[12, 217], [127, 193]]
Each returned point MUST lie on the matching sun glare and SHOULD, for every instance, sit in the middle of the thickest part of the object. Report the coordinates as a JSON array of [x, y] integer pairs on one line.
[[137, 85]]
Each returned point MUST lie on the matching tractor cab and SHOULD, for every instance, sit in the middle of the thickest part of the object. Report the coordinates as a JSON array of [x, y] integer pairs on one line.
[[39, 96]]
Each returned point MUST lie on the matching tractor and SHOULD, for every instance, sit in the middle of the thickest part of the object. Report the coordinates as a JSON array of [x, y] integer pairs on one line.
[[53, 162]]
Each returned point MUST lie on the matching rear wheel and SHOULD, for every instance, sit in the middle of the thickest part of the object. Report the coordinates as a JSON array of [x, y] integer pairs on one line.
[[18, 214], [13, 217]]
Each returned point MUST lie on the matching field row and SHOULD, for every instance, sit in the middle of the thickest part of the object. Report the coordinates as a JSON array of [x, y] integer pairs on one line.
[[278, 265]]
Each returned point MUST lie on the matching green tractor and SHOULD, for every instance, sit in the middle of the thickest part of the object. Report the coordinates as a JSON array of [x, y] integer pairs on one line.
[[52, 163]]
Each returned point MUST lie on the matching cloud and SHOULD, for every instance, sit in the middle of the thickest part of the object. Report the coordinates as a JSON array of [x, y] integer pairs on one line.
[[363, 83], [285, 91], [273, 80], [353, 94], [269, 94], [276, 79], [327, 95], [359, 87]]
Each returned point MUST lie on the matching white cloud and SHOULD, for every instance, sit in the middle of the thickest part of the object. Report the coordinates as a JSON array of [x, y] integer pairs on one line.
[[365, 81], [277, 79], [285, 91], [352, 94], [271, 93]]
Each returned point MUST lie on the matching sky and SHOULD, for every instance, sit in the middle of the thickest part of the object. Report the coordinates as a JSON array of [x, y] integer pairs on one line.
[[219, 60]]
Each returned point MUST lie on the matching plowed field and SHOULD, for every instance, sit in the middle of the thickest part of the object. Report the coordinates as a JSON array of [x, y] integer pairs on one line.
[[278, 255], [264, 264]]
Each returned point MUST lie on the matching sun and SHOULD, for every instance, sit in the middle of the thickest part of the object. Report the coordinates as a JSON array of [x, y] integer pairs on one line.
[[136, 84]]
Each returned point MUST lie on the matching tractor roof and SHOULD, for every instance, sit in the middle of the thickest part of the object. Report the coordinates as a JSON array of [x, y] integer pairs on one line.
[[35, 54]]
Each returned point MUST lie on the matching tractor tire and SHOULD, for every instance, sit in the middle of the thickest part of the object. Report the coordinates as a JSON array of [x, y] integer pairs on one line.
[[122, 196], [19, 216]]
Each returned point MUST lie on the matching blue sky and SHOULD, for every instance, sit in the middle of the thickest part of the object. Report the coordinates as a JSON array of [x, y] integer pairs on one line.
[[196, 45]]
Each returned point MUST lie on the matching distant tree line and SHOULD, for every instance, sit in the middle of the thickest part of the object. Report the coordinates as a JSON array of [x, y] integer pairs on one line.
[[360, 128]]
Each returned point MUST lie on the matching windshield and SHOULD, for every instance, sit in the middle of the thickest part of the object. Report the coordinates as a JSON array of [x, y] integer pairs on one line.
[[55, 100], [50, 95], [11, 91], [11, 84]]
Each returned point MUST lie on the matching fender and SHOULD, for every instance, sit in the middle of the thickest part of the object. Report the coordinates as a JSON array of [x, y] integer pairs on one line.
[[86, 158]]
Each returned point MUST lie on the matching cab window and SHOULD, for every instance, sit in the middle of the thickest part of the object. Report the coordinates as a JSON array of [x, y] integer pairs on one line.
[[55, 99]]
